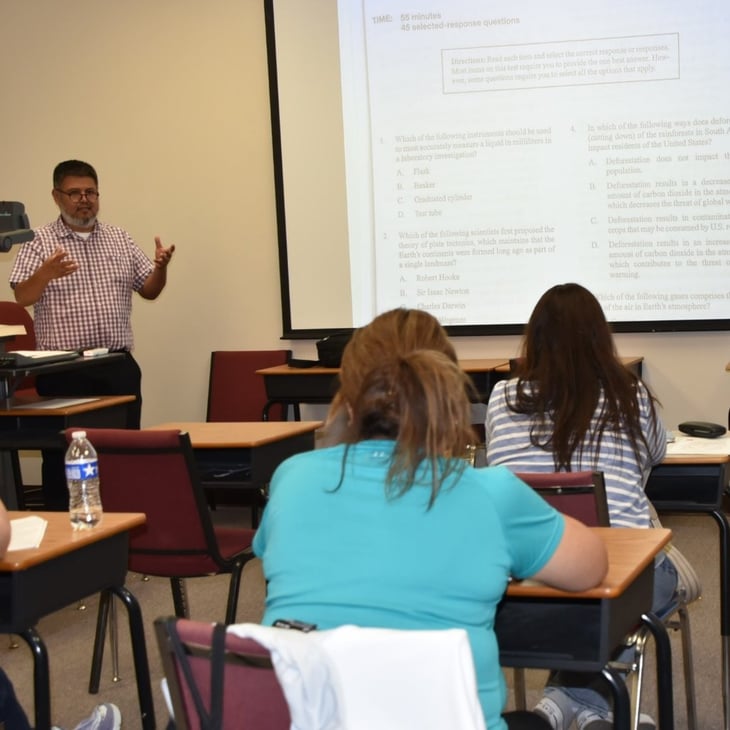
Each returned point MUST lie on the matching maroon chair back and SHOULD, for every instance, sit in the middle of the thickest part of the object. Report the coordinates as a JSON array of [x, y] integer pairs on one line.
[[153, 472], [252, 696], [14, 313], [235, 391], [580, 494]]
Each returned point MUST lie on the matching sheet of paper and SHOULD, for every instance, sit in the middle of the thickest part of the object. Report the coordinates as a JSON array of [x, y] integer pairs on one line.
[[44, 354], [684, 445], [26, 532], [50, 403]]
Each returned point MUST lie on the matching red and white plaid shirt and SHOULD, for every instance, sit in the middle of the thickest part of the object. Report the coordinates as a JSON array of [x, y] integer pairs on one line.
[[93, 306]]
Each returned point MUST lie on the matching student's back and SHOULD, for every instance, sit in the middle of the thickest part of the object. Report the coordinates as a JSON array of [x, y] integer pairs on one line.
[[392, 529], [353, 556]]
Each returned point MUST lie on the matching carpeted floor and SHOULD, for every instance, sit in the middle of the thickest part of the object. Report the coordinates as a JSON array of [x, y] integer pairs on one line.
[[69, 636]]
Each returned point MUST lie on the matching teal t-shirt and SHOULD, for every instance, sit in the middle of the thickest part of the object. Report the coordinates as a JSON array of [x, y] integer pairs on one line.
[[352, 555]]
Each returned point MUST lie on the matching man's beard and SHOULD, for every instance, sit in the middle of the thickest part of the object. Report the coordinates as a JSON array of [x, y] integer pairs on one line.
[[86, 222]]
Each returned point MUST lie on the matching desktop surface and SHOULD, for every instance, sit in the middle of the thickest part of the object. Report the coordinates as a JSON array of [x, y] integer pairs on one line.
[[231, 434]]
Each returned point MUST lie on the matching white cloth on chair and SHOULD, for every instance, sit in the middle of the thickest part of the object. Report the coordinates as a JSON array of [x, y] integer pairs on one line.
[[304, 673], [353, 678]]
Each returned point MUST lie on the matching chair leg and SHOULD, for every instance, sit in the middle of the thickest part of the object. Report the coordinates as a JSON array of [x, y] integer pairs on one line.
[[102, 616], [635, 677], [520, 692], [688, 666], [180, 598], [114, 640], [139, 655], [633, 672], [681, 624], [638, 677], [258, 502], [234, 588]]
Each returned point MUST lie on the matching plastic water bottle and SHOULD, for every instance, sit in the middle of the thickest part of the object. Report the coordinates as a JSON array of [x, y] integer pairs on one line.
[[82, 477]]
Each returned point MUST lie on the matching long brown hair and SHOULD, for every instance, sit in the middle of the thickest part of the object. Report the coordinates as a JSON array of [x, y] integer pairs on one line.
[[397, 331], [397, 386], [568, 361]]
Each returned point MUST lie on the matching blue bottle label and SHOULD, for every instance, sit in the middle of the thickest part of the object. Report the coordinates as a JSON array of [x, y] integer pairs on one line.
[[88, 469]]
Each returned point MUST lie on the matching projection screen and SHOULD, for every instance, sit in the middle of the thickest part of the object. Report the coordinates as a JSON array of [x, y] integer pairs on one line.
[[462, 157]]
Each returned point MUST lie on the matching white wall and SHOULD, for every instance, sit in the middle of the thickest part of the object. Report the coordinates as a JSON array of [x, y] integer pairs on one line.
[[169, 101]]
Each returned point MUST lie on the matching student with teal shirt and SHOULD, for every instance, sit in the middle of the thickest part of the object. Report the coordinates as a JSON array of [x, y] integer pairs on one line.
[[392, 529]]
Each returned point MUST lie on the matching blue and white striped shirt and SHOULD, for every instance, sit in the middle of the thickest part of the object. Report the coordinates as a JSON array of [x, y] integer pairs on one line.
[[508, 443]]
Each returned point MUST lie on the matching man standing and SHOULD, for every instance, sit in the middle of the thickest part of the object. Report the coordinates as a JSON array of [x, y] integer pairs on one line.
[[79, 274]]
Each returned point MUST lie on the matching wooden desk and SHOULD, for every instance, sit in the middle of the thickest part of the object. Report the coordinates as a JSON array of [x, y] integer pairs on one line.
[[484, 373], [632, 362], [542, 627], [690, 481], [260, 446], [67, 567], [35, 422], [317, 385]]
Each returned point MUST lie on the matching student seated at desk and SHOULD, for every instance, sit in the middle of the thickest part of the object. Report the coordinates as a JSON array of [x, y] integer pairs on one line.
[[12, 715], [573, 406], [392, 529]]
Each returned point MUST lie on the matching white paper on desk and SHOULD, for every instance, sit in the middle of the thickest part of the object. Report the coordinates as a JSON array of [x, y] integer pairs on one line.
[[50, 403], [26, 532], [44, 354], [692, 445]]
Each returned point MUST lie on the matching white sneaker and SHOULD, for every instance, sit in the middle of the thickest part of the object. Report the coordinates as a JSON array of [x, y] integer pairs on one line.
[[559, 717], [104, 717], [590, 720]]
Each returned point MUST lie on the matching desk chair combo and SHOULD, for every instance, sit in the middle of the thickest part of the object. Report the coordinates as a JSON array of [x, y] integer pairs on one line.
[[582, 495], [237, 393], [154, 472]]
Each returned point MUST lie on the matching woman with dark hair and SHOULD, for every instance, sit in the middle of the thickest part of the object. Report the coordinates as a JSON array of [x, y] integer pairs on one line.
[[573, 406], [392, 529]]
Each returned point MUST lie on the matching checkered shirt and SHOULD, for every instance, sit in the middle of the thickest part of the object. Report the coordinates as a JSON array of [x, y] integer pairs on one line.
[[91, 307]]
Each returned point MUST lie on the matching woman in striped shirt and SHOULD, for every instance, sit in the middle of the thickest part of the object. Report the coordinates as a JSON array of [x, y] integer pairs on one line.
[[573, 406]]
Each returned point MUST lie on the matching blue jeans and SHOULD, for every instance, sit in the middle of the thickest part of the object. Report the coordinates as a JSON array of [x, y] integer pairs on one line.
[[589, 691], [11, 713]]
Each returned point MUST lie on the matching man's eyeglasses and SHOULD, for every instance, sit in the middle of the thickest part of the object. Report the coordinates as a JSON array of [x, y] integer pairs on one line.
[[75, 195]]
